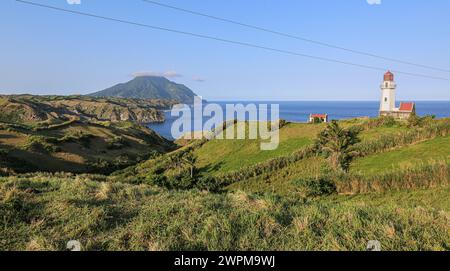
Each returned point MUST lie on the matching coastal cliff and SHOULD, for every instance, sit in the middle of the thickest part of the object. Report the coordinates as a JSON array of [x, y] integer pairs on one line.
[[29, 108]]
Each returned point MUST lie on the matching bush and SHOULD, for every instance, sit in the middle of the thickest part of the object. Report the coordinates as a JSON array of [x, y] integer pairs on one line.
[[414, 121], [337, 145], [180, 182], [283, 123], [387, 121], [317, 188], [83, 138], [185, 182], [117, 143], [159, 180], [209, 183], [40, 144]]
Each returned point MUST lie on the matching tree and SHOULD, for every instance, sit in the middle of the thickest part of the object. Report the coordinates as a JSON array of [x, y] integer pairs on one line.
[[414, 120], [189, 159], [337, 144]]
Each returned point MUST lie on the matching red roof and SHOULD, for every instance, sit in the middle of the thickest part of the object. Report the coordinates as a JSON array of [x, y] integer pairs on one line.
[[408, 107], [324, 116], [389, 76]]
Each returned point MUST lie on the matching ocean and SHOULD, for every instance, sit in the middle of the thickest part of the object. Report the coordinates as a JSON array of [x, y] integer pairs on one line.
[[299, 111]]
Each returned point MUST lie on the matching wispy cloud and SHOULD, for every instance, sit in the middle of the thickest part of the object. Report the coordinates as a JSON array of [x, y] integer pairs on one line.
[[73, 2], [198, 79], [168, 74], [374, 2]]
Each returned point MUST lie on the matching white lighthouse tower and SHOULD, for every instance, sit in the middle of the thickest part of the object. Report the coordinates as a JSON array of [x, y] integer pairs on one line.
[[388, 94], [387, 105]]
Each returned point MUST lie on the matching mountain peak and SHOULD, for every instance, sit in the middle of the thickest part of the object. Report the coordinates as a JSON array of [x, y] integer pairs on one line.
[[150, 76], [149, 87]]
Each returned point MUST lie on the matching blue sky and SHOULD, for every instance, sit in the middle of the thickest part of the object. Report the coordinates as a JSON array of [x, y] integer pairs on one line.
[[47, 52]]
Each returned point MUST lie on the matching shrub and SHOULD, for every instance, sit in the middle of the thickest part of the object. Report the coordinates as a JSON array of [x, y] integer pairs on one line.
[[181, 182], [117, 143], [414, 120], [40, 144], [283, 123], [337, 144], [317, 188], [209, 183], [387, 121], [83, 138]]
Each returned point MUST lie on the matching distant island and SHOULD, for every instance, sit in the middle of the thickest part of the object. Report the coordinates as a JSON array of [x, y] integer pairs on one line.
[[149, 87]]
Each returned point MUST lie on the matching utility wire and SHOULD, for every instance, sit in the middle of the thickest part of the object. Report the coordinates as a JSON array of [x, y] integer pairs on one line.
[[227, 41], [329, 45]]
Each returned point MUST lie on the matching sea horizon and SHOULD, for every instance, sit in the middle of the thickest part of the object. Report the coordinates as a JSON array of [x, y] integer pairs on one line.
[[299, 111]]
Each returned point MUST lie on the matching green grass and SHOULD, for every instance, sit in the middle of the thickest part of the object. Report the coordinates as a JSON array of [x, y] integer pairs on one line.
[[404, 209], [410, 156], [281, 182], [79, 147], [219, 156], [383, 130], [43, 213], [409, 198]]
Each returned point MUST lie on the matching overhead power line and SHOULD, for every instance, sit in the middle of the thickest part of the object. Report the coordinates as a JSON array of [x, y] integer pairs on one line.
[[227, 41], [325, 44]]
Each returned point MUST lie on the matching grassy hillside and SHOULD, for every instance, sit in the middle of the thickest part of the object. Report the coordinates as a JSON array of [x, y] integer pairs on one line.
[[282, 182], [76, 147], [405, 157], [239, 197], [240, 164], [219, 156], [51, 110], [227, 155], [377, 165], [43, 213]]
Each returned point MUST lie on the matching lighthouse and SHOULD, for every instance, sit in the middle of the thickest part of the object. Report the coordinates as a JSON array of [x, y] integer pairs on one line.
[[388, 105], [388, 88]]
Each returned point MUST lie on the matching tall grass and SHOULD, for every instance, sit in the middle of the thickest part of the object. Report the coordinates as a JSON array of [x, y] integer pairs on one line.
[[434, 174], [386, 142], [44, 213], [266, 167]]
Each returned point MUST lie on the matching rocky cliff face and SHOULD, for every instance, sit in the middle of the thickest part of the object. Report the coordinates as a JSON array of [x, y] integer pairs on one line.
[[27, 108]]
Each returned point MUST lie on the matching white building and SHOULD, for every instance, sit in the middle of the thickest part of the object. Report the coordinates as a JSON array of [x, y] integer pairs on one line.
[[318, 117], [388, 103]]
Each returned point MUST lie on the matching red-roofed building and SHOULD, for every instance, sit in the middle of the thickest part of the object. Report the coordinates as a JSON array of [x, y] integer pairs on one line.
[[388, 104], [407, 107], [321, 117]]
